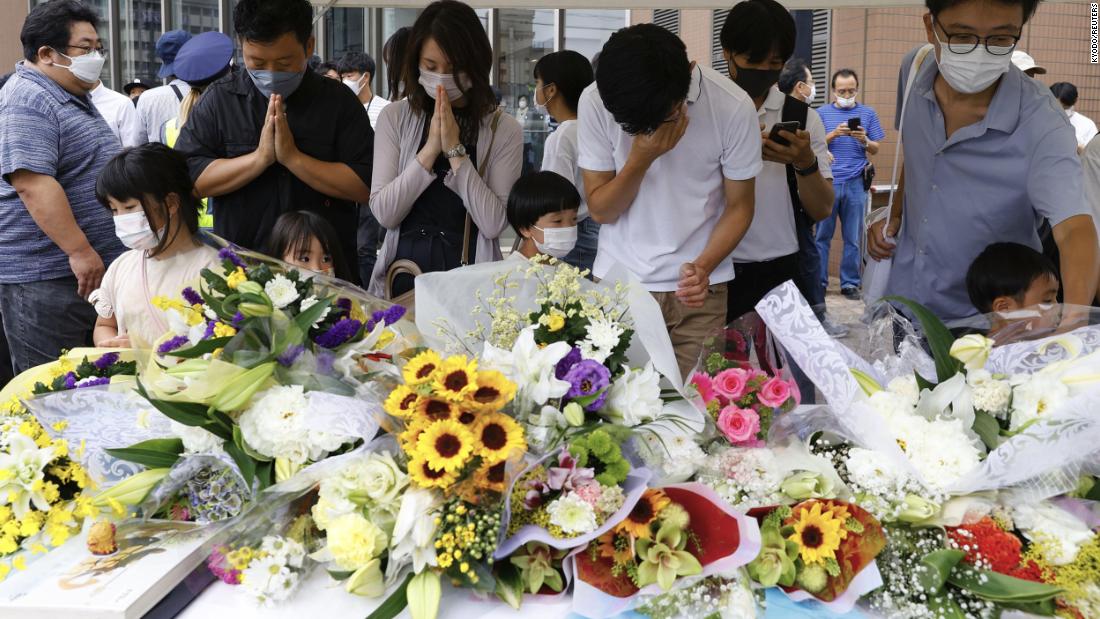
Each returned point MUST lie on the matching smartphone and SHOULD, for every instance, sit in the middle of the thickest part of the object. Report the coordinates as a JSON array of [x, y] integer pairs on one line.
[[853, 123], [790, 126]]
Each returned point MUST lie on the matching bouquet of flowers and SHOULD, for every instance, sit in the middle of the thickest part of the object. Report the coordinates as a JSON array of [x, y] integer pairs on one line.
[[743, 401]]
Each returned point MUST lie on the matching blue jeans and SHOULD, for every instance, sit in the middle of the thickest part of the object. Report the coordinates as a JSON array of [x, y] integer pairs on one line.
[[848, 205], [584, 253], [43, 318]]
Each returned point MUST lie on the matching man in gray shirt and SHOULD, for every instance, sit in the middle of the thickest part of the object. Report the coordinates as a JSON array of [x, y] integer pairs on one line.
[[988, 155], [161, 104]]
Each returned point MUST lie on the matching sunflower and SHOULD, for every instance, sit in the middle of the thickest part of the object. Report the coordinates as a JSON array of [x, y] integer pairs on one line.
[[497, 437], [493, 392], [426, 476], [408, 438], [421, 369], [434, 409], [817, 534], [456, 379], [467, 417], [645, 512], [402, 402], [445, 445], [840, 512], [491, 476], [617, 547]]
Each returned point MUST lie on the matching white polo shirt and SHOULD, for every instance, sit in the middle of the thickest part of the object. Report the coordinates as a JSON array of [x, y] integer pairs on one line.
[[1083, 127], [772, 233], [121, 115], [681, 197], [559, 154], [374, 109]]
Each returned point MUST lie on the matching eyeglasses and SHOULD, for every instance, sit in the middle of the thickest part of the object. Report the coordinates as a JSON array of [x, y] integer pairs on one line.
[[997, 44], [88, 49]]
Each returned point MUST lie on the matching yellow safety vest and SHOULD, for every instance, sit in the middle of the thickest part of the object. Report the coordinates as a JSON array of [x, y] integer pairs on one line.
[[171, 134]]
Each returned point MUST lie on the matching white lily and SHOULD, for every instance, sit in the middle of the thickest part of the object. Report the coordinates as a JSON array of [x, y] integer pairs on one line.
[[529, 366], [21, 471], [414, 532]]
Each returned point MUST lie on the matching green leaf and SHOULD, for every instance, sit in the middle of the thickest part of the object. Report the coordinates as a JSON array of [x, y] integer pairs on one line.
[[585, 400], [166, 445], [938, 336], [149, 458], [238, 440], [944, 608], [246, 464], [986, 427], [306, 319], [938, 565], [509, 584], [1044, 608], [339, 575], [182, 412], [202, 348], [393, 604], [1094, 492], [222, 420], [1000, 588], [923, 383], [265, 472]]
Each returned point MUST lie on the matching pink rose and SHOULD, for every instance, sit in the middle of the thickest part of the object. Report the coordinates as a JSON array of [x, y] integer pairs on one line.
[[774, 393], [705, 386], [738, 425], [731, 383]]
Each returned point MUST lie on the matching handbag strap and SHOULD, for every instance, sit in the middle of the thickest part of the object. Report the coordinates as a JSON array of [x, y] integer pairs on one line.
[[918, 60], [481, 169]]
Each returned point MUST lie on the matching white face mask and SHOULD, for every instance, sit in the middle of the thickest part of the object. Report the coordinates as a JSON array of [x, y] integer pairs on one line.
[[541, 107], [972, 72], [813, 92], [86, 68], [134, 231], [431, 80], [846, 103], [355, 85], [556, 242]]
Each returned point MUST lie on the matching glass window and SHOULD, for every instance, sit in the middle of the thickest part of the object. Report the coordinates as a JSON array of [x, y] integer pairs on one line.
[[525, 36], [194, 16], [392, 21], [345, 31], [140, 27], [587, 30]]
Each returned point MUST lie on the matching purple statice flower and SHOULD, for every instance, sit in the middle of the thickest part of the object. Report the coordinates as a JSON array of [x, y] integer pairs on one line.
[[325, 360], [588, 378], [93, 382], [387, 316], [567, 475], [290, 355], [228, 254], [238, 318], [106, 361], [567, 363], [172, 344], [339, 333], [209, 333], [192, 297], [342, 308], [70, 381]]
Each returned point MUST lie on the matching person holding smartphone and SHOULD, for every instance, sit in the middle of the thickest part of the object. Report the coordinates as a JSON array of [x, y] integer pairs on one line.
[[853, 133]]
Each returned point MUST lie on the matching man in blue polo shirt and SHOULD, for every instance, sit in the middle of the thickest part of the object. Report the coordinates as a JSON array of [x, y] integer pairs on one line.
[[850, 144], [55, 238], [988, 154]]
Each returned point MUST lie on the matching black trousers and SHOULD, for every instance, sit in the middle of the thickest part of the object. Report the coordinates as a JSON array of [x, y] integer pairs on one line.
[[753, 280]]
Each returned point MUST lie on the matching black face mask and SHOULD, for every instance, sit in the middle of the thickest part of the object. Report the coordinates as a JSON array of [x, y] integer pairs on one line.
[[755, 82]]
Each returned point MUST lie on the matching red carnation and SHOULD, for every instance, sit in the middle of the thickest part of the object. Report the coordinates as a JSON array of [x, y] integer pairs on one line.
[[986, 540]]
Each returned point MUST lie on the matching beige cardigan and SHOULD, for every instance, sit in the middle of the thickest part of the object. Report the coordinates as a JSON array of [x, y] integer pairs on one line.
[[399, 179]]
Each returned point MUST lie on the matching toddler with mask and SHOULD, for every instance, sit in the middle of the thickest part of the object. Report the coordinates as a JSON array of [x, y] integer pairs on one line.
[[542, 208], [304, 239], [1017, 287], [156, 215]]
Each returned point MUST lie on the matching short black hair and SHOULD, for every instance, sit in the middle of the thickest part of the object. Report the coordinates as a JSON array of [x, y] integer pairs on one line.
[[325, 67], [569, 71], [844, 73], [794, 71], [642, 75], [759, 28], [357, 62], [266, 20], [1065, 92], [1005, 270], [149, 174], [537, 194], [936, 6], [50, 25], [294, 232]]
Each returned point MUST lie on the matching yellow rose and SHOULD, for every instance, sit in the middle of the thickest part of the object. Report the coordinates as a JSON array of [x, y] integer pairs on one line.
[[353, 541], [972, 350]]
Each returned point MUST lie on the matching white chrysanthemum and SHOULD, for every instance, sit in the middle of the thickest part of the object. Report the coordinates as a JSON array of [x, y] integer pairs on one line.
[[905, 387], [677, 456], [309, 302], [196, 440], [375, 477], [940, 450], [890, 404], [1035, 396], [635, 398], [875, 473], [989, 394], [572, 514], [281, 291], [277, 425], [603, 335], [1062, 533]]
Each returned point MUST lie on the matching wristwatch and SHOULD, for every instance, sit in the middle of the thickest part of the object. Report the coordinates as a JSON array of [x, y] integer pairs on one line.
[[812, 169], [458, 151]]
